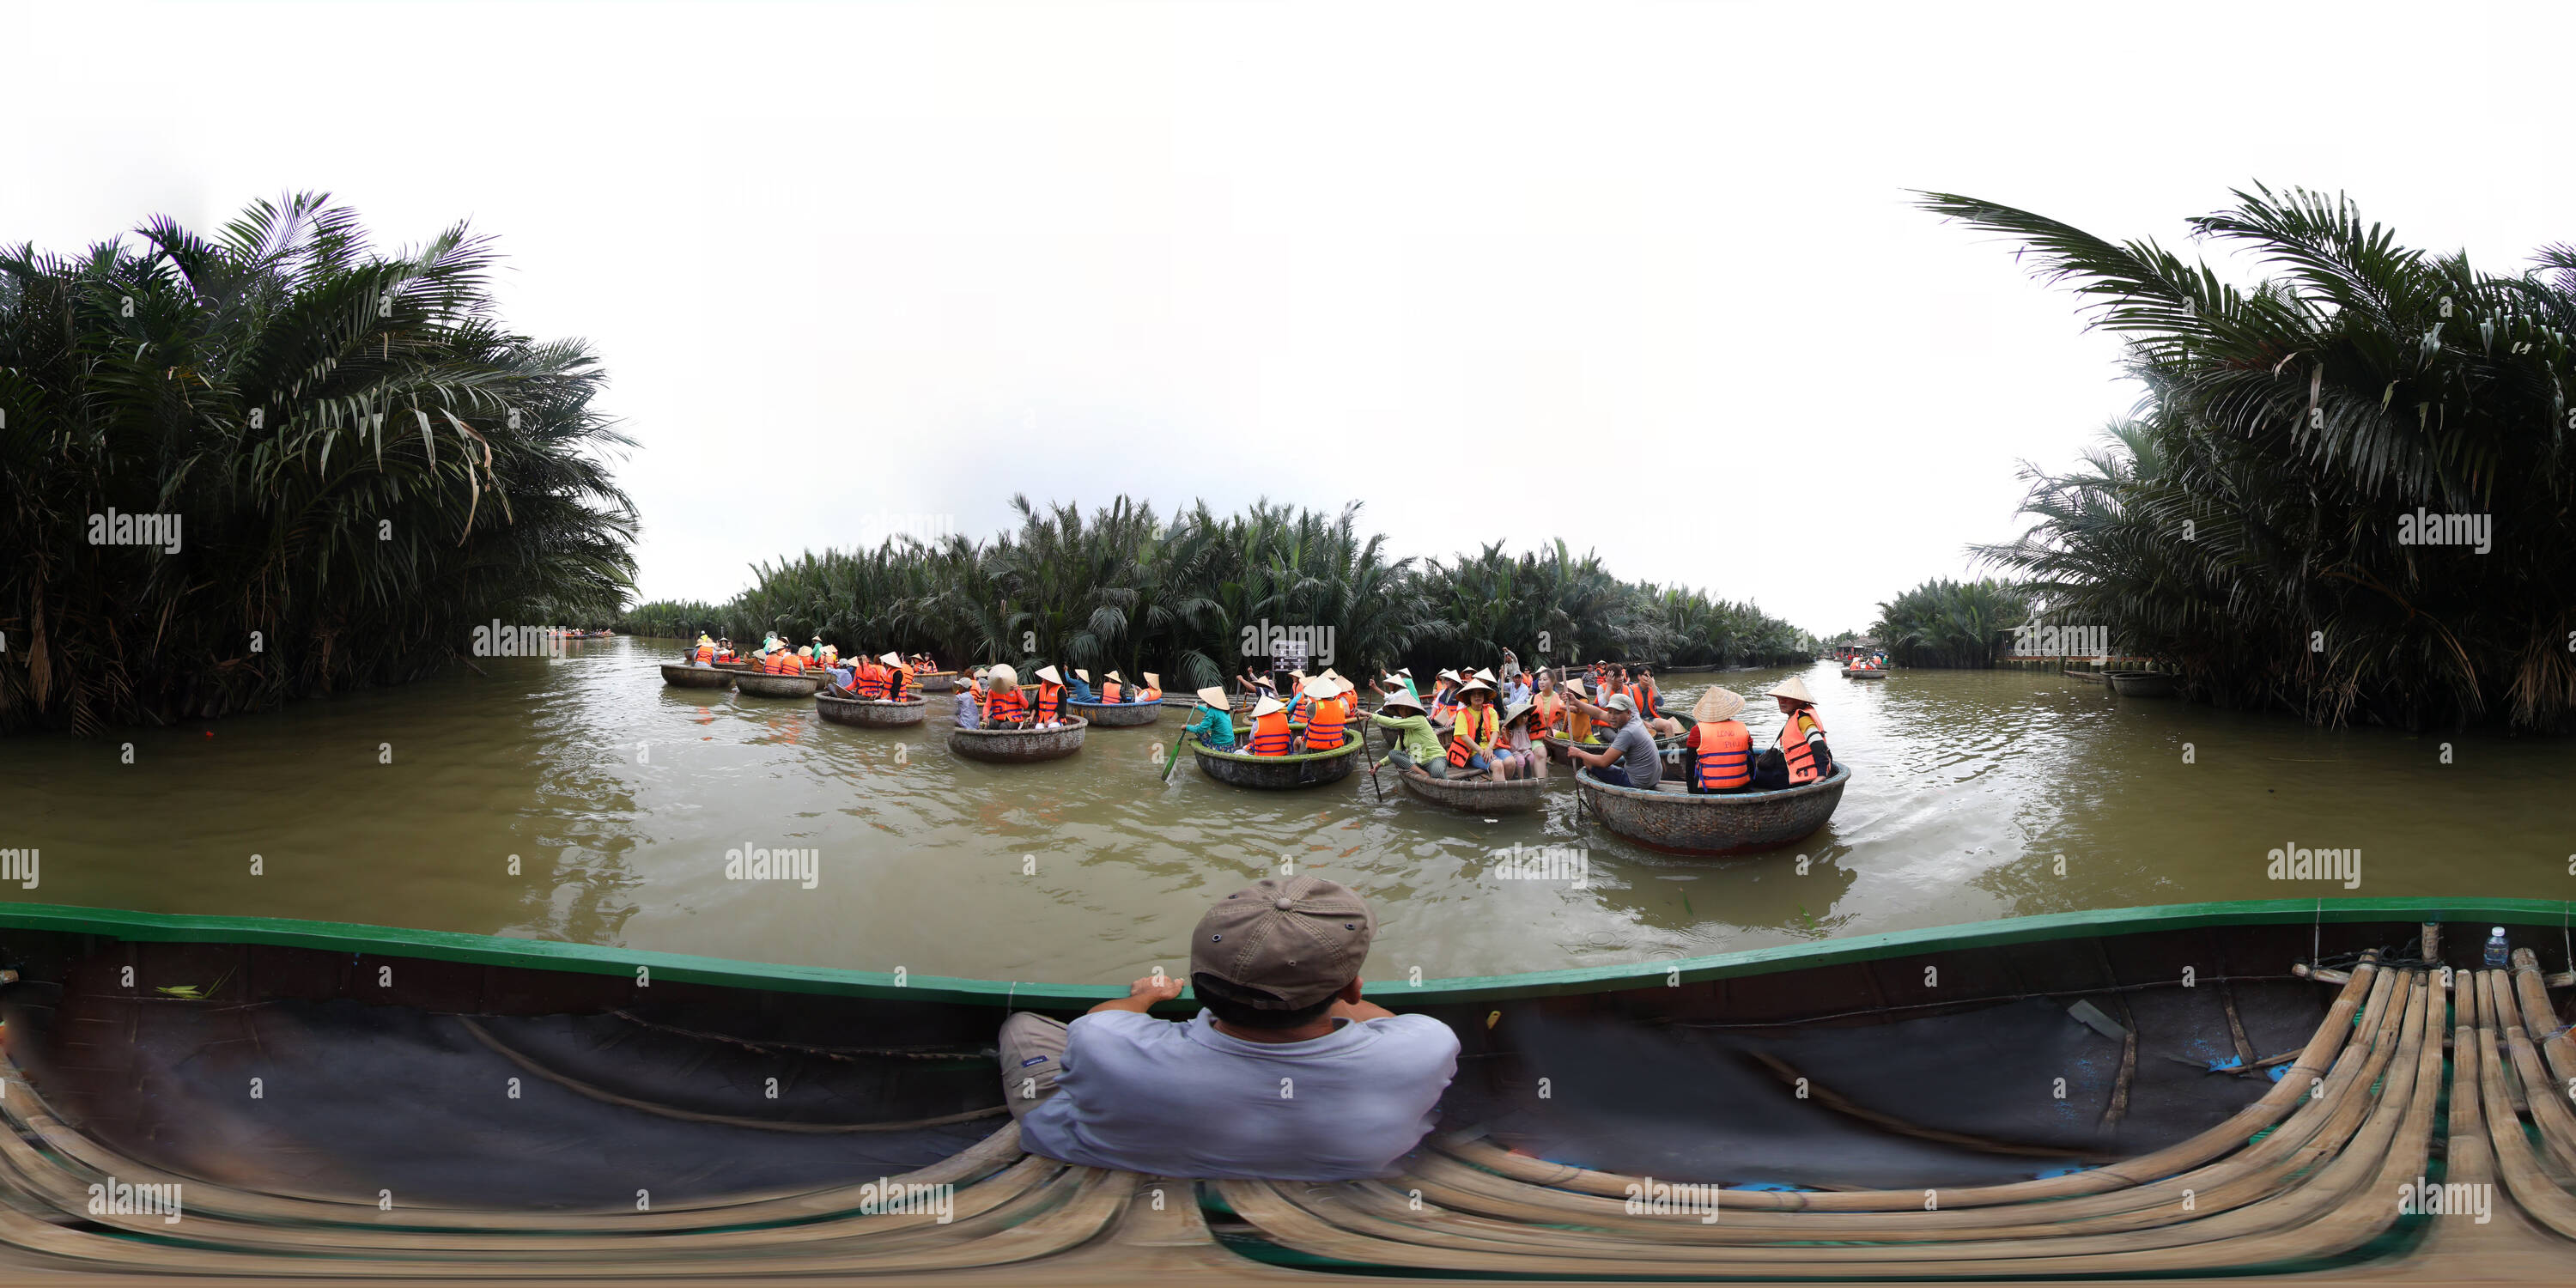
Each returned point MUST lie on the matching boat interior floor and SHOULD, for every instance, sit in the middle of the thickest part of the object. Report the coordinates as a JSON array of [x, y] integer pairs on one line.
[[1931, 1142]]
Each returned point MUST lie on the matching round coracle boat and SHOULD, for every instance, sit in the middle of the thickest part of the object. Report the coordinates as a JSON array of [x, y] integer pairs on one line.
[[2141, 684], [870, 714], [936, 681], [1276, 773], [762, 684], [689, 676], [1864, 673], [1008, 745], [1486, 796], [1672, 820], [1118, 715]]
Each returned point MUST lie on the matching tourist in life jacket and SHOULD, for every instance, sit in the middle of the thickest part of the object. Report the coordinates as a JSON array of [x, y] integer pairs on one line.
[[776, 661], [1717, 756], [1213, 723], [1271, 735], [1327, 720], [1472, 736], [1547, 712], [1300, 702], [1153, 690], [1578, 711], [1443, 706], [1004, 704], [899, 681], [705, 653], [867, 679], [1649, 700], [1804, 756], [1412, 742], [1516, 753], [1049, 712]]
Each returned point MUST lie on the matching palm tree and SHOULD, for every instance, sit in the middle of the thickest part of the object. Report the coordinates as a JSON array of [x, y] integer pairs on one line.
[[2254, 522], [364, 465]]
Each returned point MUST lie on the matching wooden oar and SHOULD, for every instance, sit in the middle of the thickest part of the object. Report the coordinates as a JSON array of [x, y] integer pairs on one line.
[[1368, 753]]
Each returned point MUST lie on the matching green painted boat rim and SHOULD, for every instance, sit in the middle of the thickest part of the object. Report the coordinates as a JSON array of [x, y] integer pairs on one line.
[[595, 959]]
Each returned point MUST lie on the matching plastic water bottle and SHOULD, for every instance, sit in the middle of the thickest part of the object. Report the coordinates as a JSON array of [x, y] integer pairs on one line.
[[2496, 950]]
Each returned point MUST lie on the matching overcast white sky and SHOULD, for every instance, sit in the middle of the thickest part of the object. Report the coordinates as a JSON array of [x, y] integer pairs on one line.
[[1642, 276]]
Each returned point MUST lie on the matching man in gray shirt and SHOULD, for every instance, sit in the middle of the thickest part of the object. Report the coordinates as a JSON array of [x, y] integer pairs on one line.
[[1284, 1075], [1631, 759]]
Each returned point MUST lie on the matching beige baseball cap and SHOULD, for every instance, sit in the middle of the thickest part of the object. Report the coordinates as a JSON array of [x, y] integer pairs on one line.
[[1283, 943]]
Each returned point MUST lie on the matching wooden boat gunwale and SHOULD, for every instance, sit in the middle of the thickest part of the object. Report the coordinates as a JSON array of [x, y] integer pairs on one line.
[[841, 711], [1120, 715], [696, 677], [960, 739], [1492, 796], [544, 954]]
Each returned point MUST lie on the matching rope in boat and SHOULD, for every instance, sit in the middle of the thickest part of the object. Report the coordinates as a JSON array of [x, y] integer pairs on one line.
[[606, 1096]]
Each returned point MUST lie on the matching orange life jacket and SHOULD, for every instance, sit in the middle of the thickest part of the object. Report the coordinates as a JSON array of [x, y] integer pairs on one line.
[[1443, 702], [1795, 748], [1463, 736], [1302, 710], [774, 664], [999, 706], [870, 682], [1271, 736], [1725, 756], [1324, 725], [706, 654], [1050, 701], [1109, 690], [898, 682], [1644, 696], [1149, 695]]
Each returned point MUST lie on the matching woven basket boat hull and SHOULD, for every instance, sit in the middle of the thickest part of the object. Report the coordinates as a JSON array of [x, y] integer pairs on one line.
[[1018, 746], [684, 676], [1278, 773], [763, 685], [936, 681], [1118, 715], [1677, 823], [870, 715], [2142, 684], [1509, 796], [1863, 673]]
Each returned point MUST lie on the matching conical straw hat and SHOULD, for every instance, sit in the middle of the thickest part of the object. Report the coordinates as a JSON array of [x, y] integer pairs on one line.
[[891, 660], [1117, 677], [1002, 675], [1399, 699], [1265, 706], [1792, 688], [1082, 675], [1213, 696], [1153, 681], [1048, 674], [1719, 703]]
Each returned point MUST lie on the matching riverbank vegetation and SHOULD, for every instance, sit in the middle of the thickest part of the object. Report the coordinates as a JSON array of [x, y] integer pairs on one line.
[[275, 461], [1123, 587], [1947, 623], [2347, 490]]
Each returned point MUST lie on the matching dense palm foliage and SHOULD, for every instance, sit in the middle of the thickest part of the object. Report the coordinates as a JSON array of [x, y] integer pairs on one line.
[[1950, 623], [362, 462], [1123, 588], [2252, 522]]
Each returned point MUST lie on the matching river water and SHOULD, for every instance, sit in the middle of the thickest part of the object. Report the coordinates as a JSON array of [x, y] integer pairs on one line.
[[617, 799]]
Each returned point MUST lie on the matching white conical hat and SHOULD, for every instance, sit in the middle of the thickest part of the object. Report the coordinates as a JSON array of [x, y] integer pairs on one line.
[[1265, 706], [1792, 688], [1082, 675], [1153, 681], [1719, 703], [1048, 674], [1117, 677], [891, 660], [1486, 676], [1213, 696], [1002, 674]]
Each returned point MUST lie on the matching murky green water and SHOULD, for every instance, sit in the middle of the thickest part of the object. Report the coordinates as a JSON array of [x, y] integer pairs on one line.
[[620, 797]]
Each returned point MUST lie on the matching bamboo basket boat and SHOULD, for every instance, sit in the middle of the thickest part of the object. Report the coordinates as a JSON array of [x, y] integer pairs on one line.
[[1670, 819], [1864, 673], [2089, 677], [1838, 1101], [1118, 715], [1503, 796], [2141, 684], [691, 676], [936, 681], [1008, 746], [761, 684], [1277, 773], [868, 714]]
